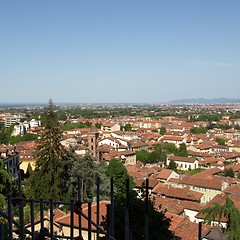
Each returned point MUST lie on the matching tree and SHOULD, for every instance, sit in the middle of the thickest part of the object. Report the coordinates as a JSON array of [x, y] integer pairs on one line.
[[172, 165], [127, 127], [5, 184], [143, 156], [169, 147], [49, 178], [228, 172], [182, 151], [84, 168], [198, 130], [163, 130], [118, 172], [157, 222], [228, 210], [221, 141]]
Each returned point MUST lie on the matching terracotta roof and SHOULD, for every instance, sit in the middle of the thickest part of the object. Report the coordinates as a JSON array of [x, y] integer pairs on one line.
[[177, 193], [189, 230], [172, 138], [176, 206], [65, 220], [211, 182], [164, 174], [182, 159]]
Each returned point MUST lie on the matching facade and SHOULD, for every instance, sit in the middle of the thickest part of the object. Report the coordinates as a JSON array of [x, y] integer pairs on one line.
[[184, 163], [93, 138], [110, 127], [12, 120], [11, 162]]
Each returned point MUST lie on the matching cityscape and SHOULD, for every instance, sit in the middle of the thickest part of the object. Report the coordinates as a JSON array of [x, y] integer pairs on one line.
[[119, 120]]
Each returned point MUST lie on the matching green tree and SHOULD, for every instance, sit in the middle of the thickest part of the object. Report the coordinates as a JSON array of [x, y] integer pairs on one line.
[[158, 223], [169, 148], [127, 127], [3, 138], [228, 210], [163, 130], [5, 184], [118, 172], [49, 177], [182, 151], [198, 130], [228, 172], [143, 156], [172, 165], [221, 141], [84, 168], [98, 125]]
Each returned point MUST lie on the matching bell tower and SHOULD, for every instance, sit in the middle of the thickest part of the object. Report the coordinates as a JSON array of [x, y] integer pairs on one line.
[[93, 138]]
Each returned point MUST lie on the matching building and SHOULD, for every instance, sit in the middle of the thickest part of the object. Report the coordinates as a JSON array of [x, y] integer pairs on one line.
[[12, 120], [11, 162], [184, 163]]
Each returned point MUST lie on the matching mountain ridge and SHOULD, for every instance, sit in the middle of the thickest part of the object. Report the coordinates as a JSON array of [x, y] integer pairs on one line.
[[206, 101]]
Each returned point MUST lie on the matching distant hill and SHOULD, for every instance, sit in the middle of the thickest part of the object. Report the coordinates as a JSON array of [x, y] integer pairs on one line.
[[206, 101]]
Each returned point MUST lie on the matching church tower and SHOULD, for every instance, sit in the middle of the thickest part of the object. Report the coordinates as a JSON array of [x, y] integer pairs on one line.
[[93, 138]]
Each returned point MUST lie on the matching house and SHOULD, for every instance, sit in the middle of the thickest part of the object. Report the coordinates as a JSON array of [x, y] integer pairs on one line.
[[209, 185], [111, 142], [230, 157], [185, 230], [211, 162], [62, 221], [177, 140], [10, 158], [110, 127], [183, 163], [165, 174], [183, 208], [128, 157], [65, 221], [220, 199]]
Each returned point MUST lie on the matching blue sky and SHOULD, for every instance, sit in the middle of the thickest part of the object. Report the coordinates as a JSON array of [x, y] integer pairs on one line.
[[95, 51]]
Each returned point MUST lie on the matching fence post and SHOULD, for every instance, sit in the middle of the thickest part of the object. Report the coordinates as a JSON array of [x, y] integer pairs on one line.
[[41, 214], [80, 200], [21, 219], [112, 210], [98, 208], [127, 222], [72, 220], [146, 211], [199, 230], [32, 218], [51, 218], [89, 220], [10, 232], [1, 231]]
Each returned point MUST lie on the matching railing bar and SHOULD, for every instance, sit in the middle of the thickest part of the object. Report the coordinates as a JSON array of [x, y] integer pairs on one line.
[[1, 231], [98, 208], [32, 219], [9, 217], [80, 200], [72, 220], [89, 220], [21, 219], [41, 213], [112, 210], [51, 218]]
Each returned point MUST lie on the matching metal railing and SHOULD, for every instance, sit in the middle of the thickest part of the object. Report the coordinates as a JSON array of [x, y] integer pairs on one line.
[[17, 227]]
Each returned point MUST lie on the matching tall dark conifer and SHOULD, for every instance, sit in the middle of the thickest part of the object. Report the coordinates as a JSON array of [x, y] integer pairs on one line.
[[49, 178]]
